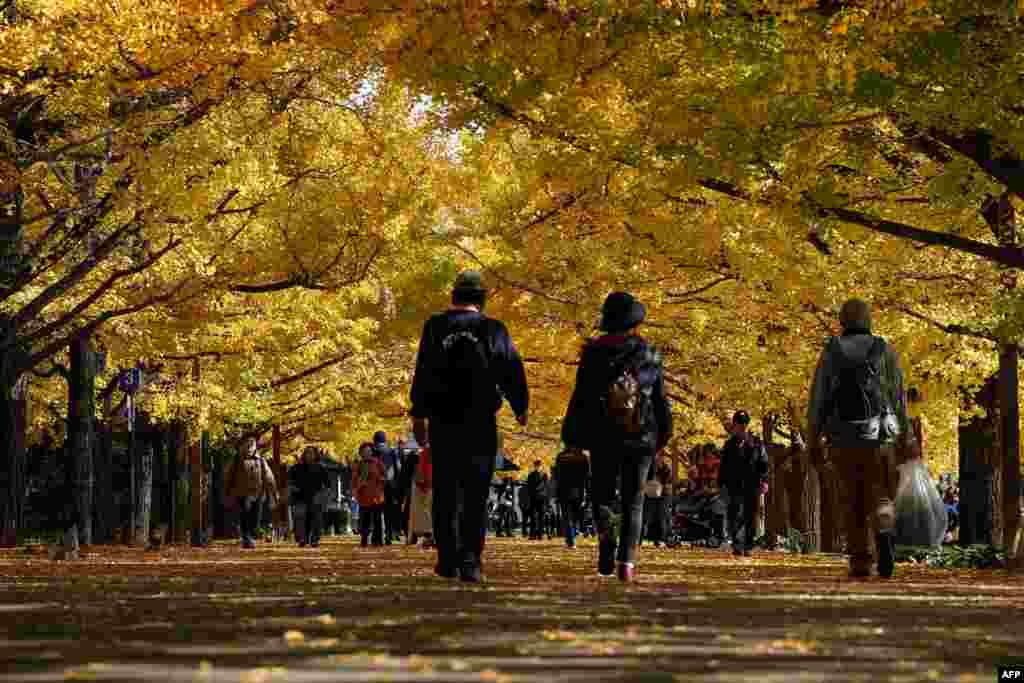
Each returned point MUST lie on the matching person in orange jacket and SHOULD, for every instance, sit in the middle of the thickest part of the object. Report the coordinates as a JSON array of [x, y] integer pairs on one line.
[[368, 486]]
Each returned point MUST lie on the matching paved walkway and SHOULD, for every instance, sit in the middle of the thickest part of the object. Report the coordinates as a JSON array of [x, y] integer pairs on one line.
[[341, 613]]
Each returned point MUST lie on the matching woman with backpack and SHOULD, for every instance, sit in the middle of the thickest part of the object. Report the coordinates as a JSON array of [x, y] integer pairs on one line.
[[619, 412], [368, 487]]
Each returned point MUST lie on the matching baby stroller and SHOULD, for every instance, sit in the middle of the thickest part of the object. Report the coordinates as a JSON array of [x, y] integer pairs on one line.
[[697, 520]]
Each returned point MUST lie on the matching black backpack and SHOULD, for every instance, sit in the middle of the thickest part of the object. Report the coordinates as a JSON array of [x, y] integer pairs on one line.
[[856, 393], [465, 370]]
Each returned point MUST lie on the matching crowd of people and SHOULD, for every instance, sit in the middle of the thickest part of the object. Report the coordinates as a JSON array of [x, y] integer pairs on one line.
[[617, 420]]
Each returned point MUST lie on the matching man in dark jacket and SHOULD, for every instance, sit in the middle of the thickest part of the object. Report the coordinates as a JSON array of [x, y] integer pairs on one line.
[[392, 487], [308, 479], [742, 472], [536, 487], [572, 473], [466, 366], [618, 411]]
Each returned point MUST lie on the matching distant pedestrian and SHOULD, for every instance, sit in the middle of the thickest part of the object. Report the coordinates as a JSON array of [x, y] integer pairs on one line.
[[393, 497], [858, 404], [619, 412], [656, 505], [368, 487], [537, 490], [466, 365], [743, 472], [572, 474], [421, 524], [308, 479], [251, 481]]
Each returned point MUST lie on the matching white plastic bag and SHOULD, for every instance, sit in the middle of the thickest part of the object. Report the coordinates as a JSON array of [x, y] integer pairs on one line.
[[921, 517]]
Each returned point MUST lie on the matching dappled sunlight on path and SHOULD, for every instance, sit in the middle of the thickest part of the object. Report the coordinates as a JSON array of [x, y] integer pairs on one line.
[[344, 613]]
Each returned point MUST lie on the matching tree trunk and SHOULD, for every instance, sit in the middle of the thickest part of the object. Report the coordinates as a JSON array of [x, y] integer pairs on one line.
[[1010, 433], [178, 447], [797, 480], [13, 424], [220, 528], [105, 514], [831, 511], [811, 505], [777, 510], [82, 429], [171, 453], [143, 483], [979, 441]]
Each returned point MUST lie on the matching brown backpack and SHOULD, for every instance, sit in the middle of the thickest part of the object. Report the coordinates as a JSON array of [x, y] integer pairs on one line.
[[624, 402]]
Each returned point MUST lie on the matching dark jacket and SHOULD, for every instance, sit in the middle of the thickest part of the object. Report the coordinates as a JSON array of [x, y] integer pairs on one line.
[[308, 480], [428, 391], [585, 425], [744, 463], [572, 474], [536, 487]]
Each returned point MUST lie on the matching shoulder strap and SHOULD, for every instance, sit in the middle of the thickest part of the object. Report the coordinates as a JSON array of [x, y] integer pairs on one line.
[[877, 349]]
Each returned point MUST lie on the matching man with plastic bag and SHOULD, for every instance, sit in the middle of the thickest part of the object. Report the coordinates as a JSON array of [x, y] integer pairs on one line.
[[858, 404]]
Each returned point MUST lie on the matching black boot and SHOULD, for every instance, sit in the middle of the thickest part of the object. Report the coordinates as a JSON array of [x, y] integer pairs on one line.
[[606, 556], [886, 554]]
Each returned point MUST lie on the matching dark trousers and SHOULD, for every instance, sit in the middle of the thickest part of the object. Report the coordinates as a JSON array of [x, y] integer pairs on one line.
[[332, 521], [536, 516], [371, 518], [607, 466], [312, 522], [654, 519], [744, 506], [572, 518], [392, 513], [463, 461], [250, 509]]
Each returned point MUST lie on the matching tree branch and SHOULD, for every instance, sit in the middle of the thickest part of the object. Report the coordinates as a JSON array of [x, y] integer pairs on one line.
[[278, 383], [960, 330]]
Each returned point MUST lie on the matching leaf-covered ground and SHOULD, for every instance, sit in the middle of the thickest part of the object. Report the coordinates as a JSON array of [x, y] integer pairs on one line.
[[342, 613]]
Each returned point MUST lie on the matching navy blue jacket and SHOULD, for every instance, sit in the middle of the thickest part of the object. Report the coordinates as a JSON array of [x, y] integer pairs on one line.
[[505, 365]]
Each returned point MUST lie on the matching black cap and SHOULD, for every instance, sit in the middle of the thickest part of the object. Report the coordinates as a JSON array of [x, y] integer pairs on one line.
[[741, 417], [470, 281]]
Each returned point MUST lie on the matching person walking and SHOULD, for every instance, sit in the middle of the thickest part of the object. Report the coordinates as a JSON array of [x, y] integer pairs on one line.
[[655, 505], [392, 487], [465, 366], [572, 474], [309, 480], [368, 487], [742, 472], [537, 492], [619, 413], [421, 501], [858, 405], [251, 481]]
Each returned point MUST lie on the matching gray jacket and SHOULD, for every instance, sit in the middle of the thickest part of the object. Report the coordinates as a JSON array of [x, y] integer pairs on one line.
[[892, 426]]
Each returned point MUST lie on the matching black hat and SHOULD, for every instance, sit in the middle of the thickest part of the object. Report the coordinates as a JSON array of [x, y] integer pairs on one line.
[[621, 312], [380, 437], [741, 417]]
